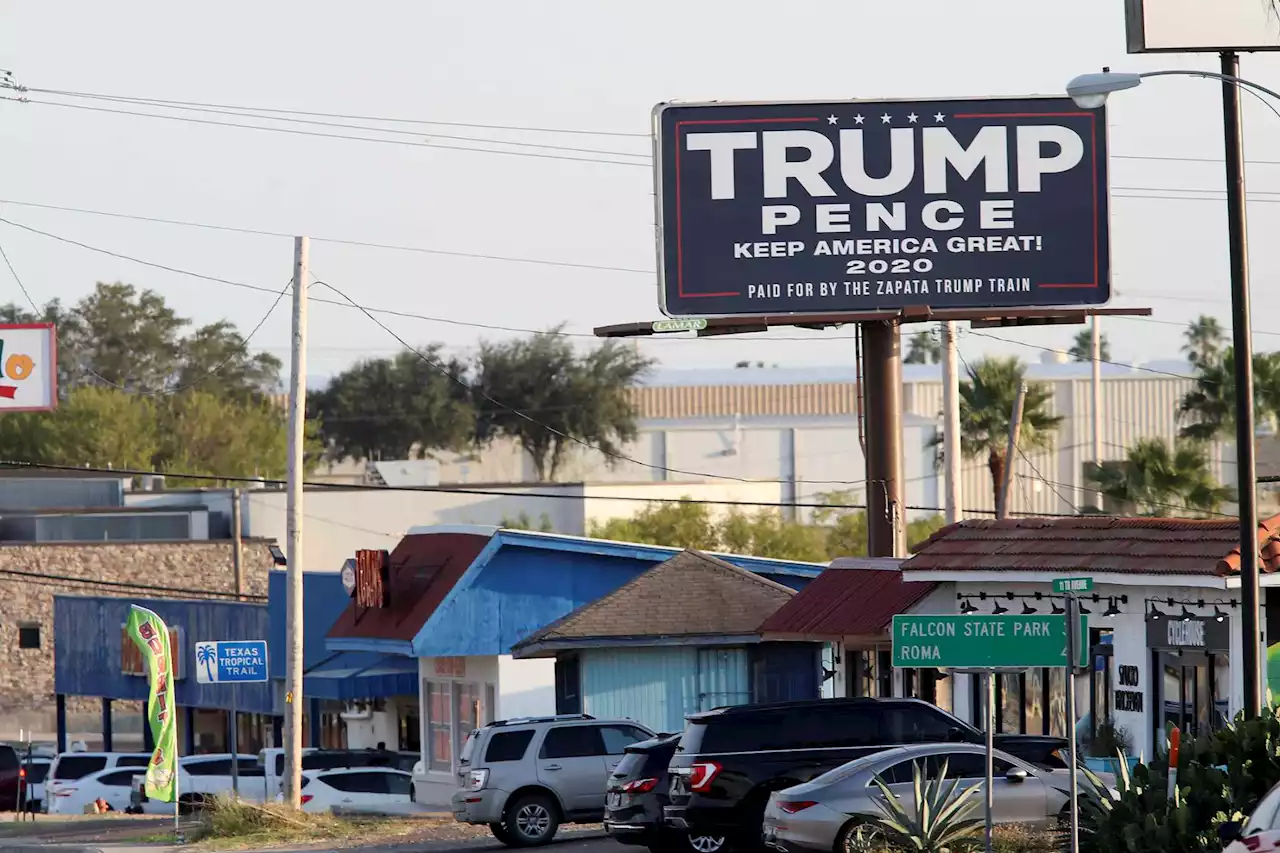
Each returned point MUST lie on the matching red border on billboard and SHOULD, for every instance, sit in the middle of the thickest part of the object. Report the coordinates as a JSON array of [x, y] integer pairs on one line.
[[53, 374]]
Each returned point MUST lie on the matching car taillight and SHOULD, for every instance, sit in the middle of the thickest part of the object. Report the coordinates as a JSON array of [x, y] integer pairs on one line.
[[476, 779], [640, 786], [306, 798], [702, 774], [796, 806]]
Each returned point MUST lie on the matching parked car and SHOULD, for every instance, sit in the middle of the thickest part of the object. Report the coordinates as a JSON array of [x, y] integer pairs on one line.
[[636, 795], [1262, 828], [10, 778], [524, 777], [731, 759], [272, 761], [33, 773], [820, 814], [70, 767], [200, 777], [363, 787]]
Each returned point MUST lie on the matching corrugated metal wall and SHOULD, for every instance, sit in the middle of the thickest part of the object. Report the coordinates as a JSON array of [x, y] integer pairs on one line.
[[659, 686], [87, 648]]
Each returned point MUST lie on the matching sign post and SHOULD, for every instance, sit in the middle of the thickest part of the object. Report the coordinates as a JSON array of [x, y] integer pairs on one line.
[[985, 644], [233, 663], [1073, 626]]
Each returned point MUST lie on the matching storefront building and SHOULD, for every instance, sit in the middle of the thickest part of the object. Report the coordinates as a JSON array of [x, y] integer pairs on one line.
[[454, 600], [93, 657], [1163, 619]]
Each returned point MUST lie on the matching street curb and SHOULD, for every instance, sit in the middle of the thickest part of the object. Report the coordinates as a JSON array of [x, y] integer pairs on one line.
[[460, 844], [47, 848]]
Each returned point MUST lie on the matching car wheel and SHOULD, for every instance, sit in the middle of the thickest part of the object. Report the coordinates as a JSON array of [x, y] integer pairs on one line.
[[858, 836], [531, 820], [500, 832], [703, 843]]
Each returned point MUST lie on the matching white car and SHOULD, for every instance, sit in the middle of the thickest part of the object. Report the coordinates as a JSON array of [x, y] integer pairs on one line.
[[357, 788], [200, 777], [34, 772], [70, 767]]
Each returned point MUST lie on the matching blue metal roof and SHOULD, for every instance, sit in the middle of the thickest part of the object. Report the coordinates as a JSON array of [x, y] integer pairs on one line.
[[343, 675], [525, 580], [87, 637]]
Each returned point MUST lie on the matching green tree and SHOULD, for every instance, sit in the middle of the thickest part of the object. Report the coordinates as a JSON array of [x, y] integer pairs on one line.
[[557, 397], [1203, 340], [987, 398], [682, 525], [121, 337], [1158, 480], [766, 533], [388, 407], [1082, 347], [524, 522], [201, 433], [923, 348], [99, 427], [1208, 409]]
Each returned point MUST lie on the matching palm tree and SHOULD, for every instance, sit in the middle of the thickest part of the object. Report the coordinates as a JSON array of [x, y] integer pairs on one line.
[[1204, 338], [1082, 347], [1156, 480], [207, 656], [923, 348], [1208, 409], [987, 398]]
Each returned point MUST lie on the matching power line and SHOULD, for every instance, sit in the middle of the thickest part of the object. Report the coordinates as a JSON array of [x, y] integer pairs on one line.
[[347, 137], [415, 133], [385, 119]]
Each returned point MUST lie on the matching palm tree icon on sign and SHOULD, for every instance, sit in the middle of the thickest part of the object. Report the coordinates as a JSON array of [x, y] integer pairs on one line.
[[207, 655]]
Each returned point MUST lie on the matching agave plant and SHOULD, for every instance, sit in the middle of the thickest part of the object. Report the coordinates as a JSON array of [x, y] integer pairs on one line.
[[941, 820]]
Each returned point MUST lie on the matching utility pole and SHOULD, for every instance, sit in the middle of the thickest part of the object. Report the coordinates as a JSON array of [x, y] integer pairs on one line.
[[882, 382], [293, 554], [237, 547], [1242, 344], [1095, 390], [1015, 429], [950, 422]]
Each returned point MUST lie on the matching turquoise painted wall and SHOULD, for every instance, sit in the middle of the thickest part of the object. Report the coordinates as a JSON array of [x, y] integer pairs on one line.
[[659, 686]]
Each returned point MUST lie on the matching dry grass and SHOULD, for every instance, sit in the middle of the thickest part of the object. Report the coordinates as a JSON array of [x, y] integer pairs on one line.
[[1025, 839], [236, 825]]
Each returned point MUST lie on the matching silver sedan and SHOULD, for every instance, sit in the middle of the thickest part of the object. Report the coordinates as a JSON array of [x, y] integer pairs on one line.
[[818, 814]]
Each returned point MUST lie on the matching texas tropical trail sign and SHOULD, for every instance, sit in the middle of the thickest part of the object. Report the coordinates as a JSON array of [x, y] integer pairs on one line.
[[238, 662], [847, 206], [985, 642]]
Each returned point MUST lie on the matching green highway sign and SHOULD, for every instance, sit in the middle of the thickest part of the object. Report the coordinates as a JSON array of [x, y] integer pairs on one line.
[[688, 324], [984, 642], [1073, 584]]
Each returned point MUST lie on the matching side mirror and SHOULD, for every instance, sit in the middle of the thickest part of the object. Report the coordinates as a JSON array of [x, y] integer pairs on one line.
[[1229, 832], [1016, 775]]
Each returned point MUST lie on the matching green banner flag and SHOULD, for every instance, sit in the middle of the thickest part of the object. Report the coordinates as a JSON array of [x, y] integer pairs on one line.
[[151, 636]]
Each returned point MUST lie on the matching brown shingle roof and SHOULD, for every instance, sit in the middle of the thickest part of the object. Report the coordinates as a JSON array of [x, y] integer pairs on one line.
[[846, 602], [1166, 546], [690, 595]]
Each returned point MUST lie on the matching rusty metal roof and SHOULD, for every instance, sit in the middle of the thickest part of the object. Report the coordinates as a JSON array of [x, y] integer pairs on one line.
[[844, 602], [1165, 546]]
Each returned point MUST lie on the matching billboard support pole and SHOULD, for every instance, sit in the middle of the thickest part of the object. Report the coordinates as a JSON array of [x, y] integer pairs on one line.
[[882, 375], [1242, 341]]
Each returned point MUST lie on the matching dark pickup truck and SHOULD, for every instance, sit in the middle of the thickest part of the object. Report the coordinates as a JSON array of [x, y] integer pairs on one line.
[[730, 759]]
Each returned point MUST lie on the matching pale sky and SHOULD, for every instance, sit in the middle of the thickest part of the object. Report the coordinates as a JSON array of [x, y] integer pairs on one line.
[[585, 65]]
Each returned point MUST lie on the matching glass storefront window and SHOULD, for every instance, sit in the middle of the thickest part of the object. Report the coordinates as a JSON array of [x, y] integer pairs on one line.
[[1035, 681], [439, 725], [1057, 702], [1010, 708]]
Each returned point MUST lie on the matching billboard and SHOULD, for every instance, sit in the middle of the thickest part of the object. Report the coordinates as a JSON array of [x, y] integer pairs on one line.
[[28, 367], [820, 207], [1208, 26]]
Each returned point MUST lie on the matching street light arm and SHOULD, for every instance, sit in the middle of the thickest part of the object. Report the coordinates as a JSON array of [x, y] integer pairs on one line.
[[1213, 75]]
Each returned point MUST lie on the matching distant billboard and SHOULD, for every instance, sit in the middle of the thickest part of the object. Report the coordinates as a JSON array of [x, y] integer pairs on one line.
[[1201, 26], [820, 207], [28, 367]]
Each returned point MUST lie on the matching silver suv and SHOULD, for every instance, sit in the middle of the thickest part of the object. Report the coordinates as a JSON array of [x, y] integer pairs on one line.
[[525, 777]]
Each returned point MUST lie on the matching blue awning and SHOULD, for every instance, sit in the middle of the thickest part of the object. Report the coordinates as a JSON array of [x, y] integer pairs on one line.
[[361, 675]]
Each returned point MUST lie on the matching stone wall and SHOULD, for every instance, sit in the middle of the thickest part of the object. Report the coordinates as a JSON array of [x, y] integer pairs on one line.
[[32, 574]]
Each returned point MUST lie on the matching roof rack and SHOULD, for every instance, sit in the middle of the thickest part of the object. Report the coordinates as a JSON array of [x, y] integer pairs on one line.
[[520, 721]]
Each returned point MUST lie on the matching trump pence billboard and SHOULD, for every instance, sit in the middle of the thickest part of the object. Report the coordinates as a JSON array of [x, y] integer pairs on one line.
[[804, 208]]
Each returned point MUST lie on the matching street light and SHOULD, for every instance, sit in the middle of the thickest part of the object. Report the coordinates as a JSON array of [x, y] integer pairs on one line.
[[1090, 91]]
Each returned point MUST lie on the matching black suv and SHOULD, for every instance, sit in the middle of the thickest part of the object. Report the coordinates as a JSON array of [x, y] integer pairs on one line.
[[636, 794], [730, 759]]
